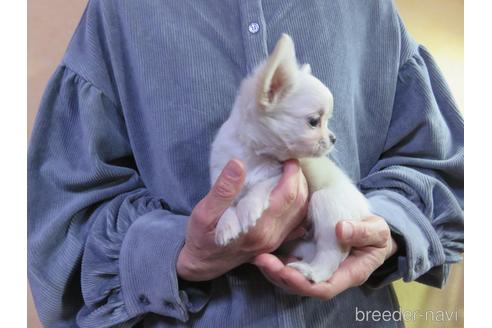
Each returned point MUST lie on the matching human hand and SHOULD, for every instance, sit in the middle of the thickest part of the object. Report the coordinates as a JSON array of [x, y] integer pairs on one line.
[[202, 259], [371, 244]]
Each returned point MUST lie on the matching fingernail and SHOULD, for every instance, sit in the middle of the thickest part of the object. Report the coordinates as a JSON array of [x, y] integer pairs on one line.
[[257, 263], [291, 165], [233, 171], [297, 165], [347, 230]]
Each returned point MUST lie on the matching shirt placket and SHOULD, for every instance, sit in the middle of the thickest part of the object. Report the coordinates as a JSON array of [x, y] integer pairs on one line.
[[253, 32]]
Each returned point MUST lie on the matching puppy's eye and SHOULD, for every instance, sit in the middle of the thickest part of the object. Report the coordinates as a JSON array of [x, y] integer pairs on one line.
[[314, 121]]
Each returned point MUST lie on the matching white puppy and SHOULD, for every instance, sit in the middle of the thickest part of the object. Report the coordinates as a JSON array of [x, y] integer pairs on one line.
[[281, 113]]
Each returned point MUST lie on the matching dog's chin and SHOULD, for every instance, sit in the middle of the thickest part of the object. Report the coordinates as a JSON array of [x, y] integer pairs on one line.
[[321, 153], [314, 153], [301, 151]]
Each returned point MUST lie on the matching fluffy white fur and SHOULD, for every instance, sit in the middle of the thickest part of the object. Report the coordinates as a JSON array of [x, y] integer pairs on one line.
[[280, 113]]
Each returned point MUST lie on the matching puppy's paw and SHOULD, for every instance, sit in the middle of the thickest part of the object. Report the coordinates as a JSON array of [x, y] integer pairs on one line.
[[312, 273], [226, 232], [249, 220], [227, 229], [249, 215], [303, 268]]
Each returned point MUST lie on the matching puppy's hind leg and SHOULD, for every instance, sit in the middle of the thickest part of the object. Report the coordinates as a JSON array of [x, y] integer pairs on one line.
[[328, 253], [303, 250], [326, 261]]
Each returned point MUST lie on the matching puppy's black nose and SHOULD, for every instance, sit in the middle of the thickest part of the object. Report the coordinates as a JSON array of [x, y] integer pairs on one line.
[[332, 137]]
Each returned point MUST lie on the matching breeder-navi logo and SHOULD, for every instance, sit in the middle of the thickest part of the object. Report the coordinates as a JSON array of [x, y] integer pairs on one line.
[[399, 315]]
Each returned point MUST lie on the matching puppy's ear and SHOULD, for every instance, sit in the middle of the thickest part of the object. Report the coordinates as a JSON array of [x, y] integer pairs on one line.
[[306, 68], [279, 74]]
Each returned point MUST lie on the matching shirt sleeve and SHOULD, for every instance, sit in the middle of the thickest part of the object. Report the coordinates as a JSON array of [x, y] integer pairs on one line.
[[102, 249], [417, 184]]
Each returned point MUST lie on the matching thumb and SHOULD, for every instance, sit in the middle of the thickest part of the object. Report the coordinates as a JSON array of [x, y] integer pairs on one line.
[[224, 190], [372, 231]]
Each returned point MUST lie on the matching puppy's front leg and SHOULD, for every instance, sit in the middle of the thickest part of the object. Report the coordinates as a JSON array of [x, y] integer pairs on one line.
[[251, 207], [228, 227], [243, 216]]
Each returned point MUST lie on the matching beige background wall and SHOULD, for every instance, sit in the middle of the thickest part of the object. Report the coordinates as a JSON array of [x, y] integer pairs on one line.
[[438, 24]]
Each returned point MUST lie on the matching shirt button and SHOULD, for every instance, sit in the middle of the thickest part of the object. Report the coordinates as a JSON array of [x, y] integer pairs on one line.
[[254, 28], [144, 300], [419, 264]]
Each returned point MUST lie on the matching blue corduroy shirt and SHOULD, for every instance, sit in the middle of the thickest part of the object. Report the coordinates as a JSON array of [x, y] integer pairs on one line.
[[119, 157]]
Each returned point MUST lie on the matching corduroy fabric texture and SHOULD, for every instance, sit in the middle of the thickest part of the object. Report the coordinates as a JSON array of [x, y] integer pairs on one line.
[[119, 157]]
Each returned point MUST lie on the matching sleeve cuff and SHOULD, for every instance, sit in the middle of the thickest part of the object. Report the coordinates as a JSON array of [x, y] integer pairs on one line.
[[148, 259], [423, 257]]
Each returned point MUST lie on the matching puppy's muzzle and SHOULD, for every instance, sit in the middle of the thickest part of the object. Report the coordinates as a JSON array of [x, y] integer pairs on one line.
[[332, 138], [323, 144]]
